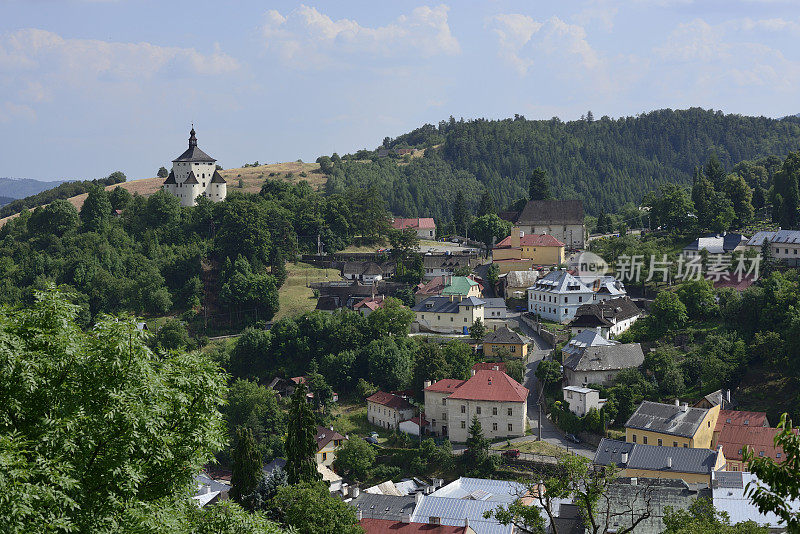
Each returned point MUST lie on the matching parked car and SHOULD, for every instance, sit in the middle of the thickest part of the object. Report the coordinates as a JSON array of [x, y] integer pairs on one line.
[[511, 453], [371, 439], [573, 438]]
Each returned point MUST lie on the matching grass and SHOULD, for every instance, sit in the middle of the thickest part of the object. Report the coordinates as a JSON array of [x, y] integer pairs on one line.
[[295, 297], [535, 447], [352, 419]]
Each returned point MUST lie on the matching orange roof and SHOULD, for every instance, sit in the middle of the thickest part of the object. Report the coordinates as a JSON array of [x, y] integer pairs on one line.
[[390, 400], [491, 386], [423, 222], [532, 240], [489, 366], [390, 526], [734, 439], [740, 418], [446, 385]]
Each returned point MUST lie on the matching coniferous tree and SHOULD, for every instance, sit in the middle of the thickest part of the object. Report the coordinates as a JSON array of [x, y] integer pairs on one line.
[[247, 465], [486, 207], [460, 213], [278, 269], [301, 445], [714, 171], [539, 186]]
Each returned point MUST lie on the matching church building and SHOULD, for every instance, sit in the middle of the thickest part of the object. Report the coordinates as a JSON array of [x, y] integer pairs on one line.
[[194, 173]]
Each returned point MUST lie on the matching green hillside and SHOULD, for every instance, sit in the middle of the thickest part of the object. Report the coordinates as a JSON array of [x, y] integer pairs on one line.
[[605, 162]]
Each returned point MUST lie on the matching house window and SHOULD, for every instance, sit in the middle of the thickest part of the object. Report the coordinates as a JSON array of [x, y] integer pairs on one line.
[[444, 416], [761, 453], [463, 409], [510, 427], [463, 424], [494, 411], [685, 446], [634, 438], [644, 440], [465, 319], [451, 320], [660, 443], [478, 410], [324, 456], [494, 426], [580, 299], [740, 452], [443, 400], [510, 411], [778, 456]]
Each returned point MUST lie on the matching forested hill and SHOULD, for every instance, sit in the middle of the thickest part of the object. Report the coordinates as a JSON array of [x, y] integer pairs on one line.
[[605, 162]]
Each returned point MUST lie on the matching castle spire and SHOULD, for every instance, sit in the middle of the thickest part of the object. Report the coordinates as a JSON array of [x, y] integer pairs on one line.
[[192, 138]]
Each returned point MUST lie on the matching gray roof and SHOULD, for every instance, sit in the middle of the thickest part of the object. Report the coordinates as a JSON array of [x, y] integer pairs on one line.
[[561, 281], [781, 236], [449, 261], [191, 179], [521, 278], [503, 335], [494, 302], [193, 153], [445, 305], [606, 358], [170, 179], [729, 490], [655, 458], [605, 313], [453, 511], [667, 419], [217, 178], [552, 212], [716, 243], [377, 506]]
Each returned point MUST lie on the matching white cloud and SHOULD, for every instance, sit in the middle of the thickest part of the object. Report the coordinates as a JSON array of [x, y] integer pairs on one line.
[[764, 25], [76, 59], [305, 37], [694, 41], [524, 42]]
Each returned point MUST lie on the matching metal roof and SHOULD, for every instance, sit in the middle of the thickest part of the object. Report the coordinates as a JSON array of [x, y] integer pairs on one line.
[[667, 419], [492, 490], [503, 335], [655, 458], [552, 212], [378, 506], [453, 512], [606, 358], [729, 493], [445, 304]]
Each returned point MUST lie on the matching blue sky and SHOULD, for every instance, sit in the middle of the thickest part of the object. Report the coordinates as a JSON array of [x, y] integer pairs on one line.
[[89, 87]]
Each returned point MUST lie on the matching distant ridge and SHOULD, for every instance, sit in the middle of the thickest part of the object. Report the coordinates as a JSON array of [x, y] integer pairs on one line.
[[24, 187], [5, 200]]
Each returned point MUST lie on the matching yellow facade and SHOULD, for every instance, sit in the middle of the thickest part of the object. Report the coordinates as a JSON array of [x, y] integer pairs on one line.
[[544, 255], [507, 266], [519, 350], [702, 438]]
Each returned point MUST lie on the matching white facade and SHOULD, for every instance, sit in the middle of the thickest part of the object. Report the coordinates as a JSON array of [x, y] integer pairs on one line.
[[557, 296], [580, 400], [194, 173], [387, 417]]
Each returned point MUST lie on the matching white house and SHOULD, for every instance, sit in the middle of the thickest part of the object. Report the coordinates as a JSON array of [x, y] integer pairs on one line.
[[497, 400], [784, 245], [580, 400], [388, 410], [609, 318], [724, 243], [194, 173], [589, 358], [557, 296], [449, 314]]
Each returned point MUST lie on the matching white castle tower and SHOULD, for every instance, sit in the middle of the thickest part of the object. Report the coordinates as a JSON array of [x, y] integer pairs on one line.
[[194, 173]]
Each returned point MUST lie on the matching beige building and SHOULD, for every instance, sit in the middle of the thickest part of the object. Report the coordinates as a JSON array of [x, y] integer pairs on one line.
[[453, 314], [530, 249], [562, 219], [388, 410], [194, 173], [669, 425], [328, 440], [497, 400], [504, 339]]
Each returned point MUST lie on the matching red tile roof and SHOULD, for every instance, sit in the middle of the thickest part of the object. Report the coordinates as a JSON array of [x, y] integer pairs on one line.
[[532, 240], [298, 380], [390, 526], [446, 385], [740, 418], [736, 282], [489, 366], [371, 303], [390, 400], [491, 386], [424, 222], [733, 439]]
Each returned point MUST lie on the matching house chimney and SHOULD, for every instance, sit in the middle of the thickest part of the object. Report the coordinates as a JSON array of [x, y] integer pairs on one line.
[[359, 515], [426, 384], [206, 489], [418, 497], [466, 522], [677, 402], [684, 407], [728, 396], [624, 458], [634, 480], [473, 372], [669, 462], [355, 492]]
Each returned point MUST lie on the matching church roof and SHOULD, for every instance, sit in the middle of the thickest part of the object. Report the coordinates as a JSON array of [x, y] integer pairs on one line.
[[193, 153], [170, 179], [217, 178], [192, 179]]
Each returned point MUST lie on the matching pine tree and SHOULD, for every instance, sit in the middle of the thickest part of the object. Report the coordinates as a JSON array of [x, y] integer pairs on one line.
[[714, 171], [301, 445], [247, 465], [539, 186], [486, 207], [460, 213], [279, 268]]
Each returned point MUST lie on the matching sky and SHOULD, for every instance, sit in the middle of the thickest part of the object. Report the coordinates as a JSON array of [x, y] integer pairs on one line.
[[88, 87]]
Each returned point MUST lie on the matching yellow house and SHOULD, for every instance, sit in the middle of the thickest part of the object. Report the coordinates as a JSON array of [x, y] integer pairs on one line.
[[328, 440], [504, 339], [672, 425], [451, 314], [536, 249], [693, 466]]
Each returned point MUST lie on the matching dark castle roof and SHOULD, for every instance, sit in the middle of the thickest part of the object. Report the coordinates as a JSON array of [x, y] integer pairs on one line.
[[552, 212], [193, 153], [192, 179], [170, 179], [217, 178]]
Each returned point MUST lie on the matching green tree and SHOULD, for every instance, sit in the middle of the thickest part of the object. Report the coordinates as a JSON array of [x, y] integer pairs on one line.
[[392, 319], [539, 185], [672, 208], [57, 218], [703, 518], [120, 198], [301, 445], [96, 210], [475, 458], [325, 164], [256, 408], [698, 297], [667, 313], [715, 171], [549, 373], [389, 362], [460, 213], [310, 508], [477, 331], [780, 482], [172, 336], [94, 426], [162, 172], [355, 458], [489, 229], [247, 465], [486, 205], [740, 194], [493, 274]]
